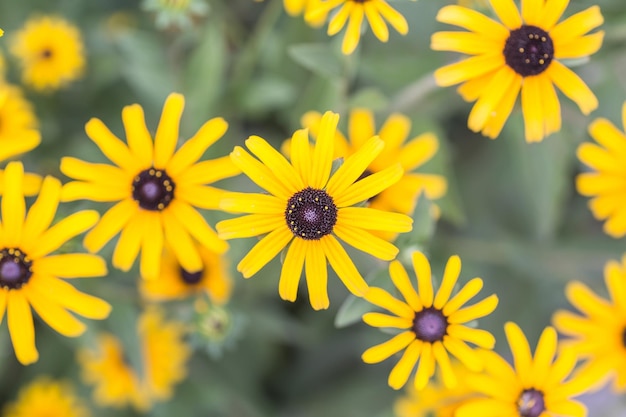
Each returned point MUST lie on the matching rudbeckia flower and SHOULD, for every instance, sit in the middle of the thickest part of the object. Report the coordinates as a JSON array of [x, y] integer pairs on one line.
[[46, 397], [521, 55]]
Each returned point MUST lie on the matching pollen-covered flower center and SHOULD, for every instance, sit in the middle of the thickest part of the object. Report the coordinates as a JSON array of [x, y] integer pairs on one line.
[[528, 50], [531, 403], [191, 278], [15, 268], [153, 189], [430, 325], [311, 214]]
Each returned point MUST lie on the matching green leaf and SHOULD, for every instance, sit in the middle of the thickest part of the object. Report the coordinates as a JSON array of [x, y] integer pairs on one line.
[[266, 94], [319, 58], [370, 98]]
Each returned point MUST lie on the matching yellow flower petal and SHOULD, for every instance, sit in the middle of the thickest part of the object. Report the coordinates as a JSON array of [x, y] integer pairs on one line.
[[369, 186], [468, 291], [197, 226], [544, 354], [166, 136], [353, 31], [207, 172], [264, 251], [110, 145], [400, 373], [425, 368], [54, 315], [71, 299], [137, 135], [402, 282], [424, 278], [378, 25], [340, 18], [501, 113], [479, 337], [200, 196], [480, 309], [317, 276], [259, 173], [321, 163], [531, 11], [579, 47], [343, 266], [568, 408], [366, 242], [450, 276], [71, 265], [521, 352], [372, 219], [129, 243], [280, 167], [532, 109], [252, 203], [62, 231], [468, 69], [13, 205], [551, 106], [488, 101], [110, 224], [248, 226], [577, 25], [473, 21], [507, 12], [572, 86], [361, 127], [468, 43], [181, 243], [443, 360], [380, 352], [41, 213], [151, 246], [301, 153], [486, 407], [354, 166], [382, 298], [21, 328], [292, 270], [391, 15], [551, 13], [463, 353], [385, 320]]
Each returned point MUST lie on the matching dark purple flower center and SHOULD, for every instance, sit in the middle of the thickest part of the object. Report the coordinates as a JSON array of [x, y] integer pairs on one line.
[[531, 403], [191, 278], [153, 189], [528, 50], [311, 214], [430, 325], [15, 268]]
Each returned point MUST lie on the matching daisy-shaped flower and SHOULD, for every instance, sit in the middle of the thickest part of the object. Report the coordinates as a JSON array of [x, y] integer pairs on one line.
[[598, 333], [534, 387], [522, 53], [353, 12], [30, 276], [402, 196], [436, 400], [432, 325], [164, 359], [607, 185], [176, 283], [45, 397], [307, 209], [157, 190], [298, 7], [51, 52]]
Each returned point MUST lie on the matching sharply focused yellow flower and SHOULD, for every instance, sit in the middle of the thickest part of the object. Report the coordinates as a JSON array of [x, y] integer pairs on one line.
[[45, 397], [51, 52], [18, 131], [436, 400], [607, 185], [402, 196], [175, 282], [31, 277], [353, 12], [432, 325], [522, 53], [307, 209], [164, 359], [157, 189], [598, 334], [533, 387]]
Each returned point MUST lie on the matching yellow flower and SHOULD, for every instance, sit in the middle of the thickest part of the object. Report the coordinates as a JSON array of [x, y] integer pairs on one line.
[[598, 333], [521, 54], [298, 7], [534, 387], [353, 12], [436, 400], [18, 131], [157, 189], [51, 52], [164, 356], [176, 283], [432, 325], [30, 275], [307, 209], [474, 3], [402, 196], [607, 185], [45, 397]]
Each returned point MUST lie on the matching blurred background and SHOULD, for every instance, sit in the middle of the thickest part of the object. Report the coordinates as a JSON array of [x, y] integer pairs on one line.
[[511, 211]]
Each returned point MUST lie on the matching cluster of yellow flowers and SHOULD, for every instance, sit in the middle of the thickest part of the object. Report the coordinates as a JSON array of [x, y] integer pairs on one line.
[[308, 208]]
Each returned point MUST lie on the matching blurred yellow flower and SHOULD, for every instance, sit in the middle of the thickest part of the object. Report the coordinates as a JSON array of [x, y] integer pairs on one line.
[[353, 12], [177, 283], [157, 189], [432, 325], [522, 53], [164, 356], [45, 397], [607, 184], [31, 277], [598, 333], [51, 52], [533, 387], [308, 211], [298, 7], [402, 196]]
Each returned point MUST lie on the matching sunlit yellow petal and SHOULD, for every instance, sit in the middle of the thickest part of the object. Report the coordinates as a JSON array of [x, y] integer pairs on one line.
[[21, 328], [317, 276], [292, 270], [264, 251], [380, 352], [166, 136]]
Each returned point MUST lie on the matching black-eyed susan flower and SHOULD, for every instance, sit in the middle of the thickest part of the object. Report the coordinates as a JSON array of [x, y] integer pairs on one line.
[[436, 400], [432, 325], [51, 52], [521, 54], [308, 210], [45, 397], [402, 196], [177, 283], [352, 13], [30, 276], [607, 184], [536, 386], [157, 189], [164, 356], [598, 333]]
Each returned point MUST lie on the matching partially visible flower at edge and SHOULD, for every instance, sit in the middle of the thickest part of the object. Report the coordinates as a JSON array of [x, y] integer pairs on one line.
[[51, 52], [46, 397], [353, 12], [607, 184], [432, 325], [521, 54]]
